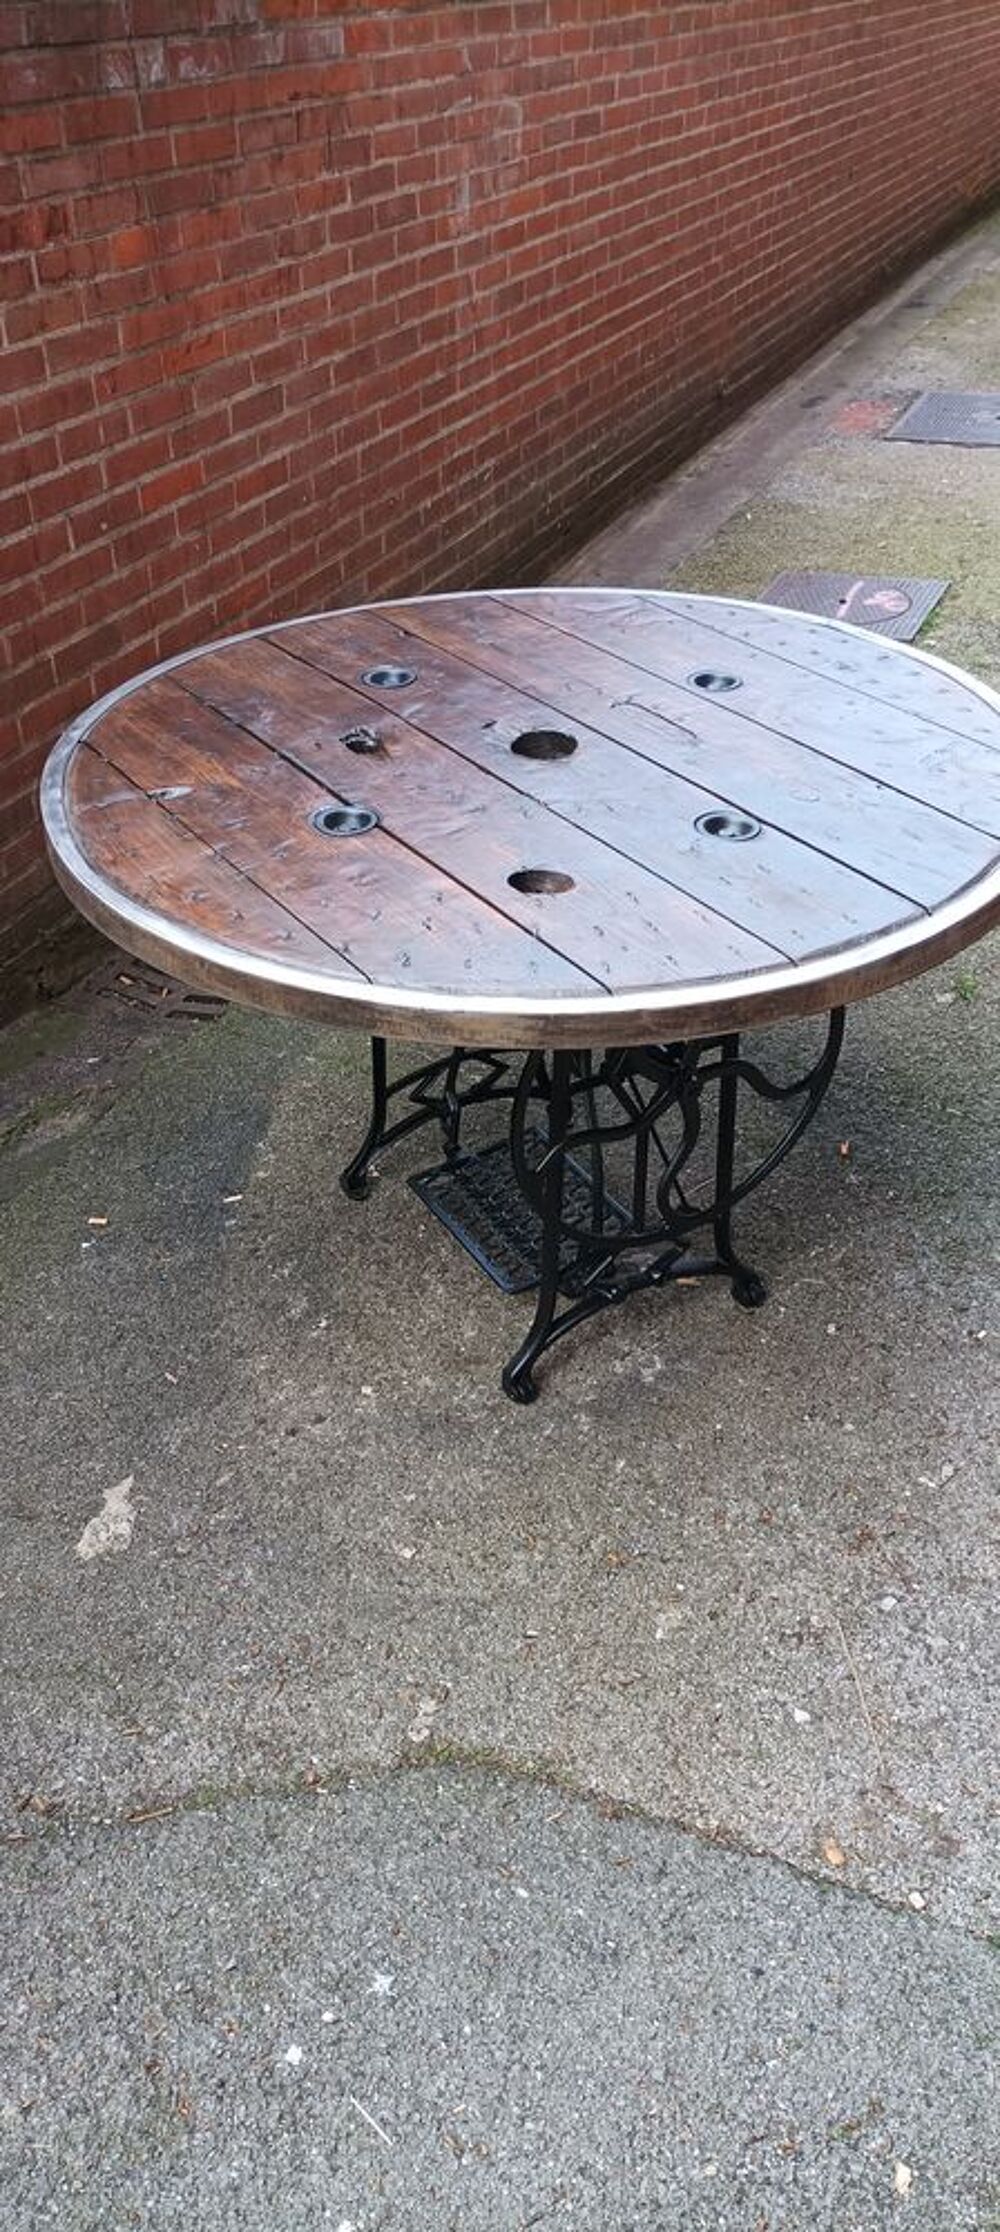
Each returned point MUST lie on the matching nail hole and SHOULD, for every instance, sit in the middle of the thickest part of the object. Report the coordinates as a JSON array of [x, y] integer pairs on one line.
[[543, 744], [737, 827], [540, 879], [707, 679], [388, 677], [344, 821], [361, 740]]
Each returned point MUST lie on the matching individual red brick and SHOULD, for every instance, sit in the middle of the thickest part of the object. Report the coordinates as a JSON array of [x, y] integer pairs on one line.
[[21, 368], [15, 279], [51, 74], [67, 490], [168, 487]]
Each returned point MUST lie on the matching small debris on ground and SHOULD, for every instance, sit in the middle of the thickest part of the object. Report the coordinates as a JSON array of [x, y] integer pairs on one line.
[[378, 2128], [110, 1529], [420, 1726], [37, 1802]]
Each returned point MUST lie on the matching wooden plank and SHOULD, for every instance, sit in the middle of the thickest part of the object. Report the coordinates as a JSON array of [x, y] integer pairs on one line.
[[149, 856], [900, 842], [797, 899], [915, 757], [376, 902], [622, 924], [867, 662]]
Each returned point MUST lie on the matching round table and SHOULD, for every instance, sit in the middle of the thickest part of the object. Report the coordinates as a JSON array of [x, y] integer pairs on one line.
[[581, 839]]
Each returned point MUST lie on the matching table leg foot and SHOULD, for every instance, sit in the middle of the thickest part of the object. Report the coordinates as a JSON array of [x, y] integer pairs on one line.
[[519, 1384]]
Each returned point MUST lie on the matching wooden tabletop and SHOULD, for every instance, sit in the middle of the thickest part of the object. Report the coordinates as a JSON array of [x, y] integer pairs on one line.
[[597, 817]]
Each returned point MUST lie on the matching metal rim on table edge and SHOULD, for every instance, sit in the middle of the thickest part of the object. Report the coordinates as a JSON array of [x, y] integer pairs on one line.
[[696, 1009]]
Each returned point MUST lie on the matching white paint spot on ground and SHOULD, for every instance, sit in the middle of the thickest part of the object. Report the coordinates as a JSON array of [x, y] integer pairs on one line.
[[423, 1719], [110, 1529]]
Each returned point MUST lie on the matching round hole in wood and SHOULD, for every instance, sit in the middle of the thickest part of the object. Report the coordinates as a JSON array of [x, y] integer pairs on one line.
[[361, 740], [737, 827], [344, 821], [715, 683], [388, 677], [543, 744], [540, 879]]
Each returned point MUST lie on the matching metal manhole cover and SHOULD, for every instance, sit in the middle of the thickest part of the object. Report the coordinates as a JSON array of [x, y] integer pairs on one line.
[[889, 606], [969, 421]]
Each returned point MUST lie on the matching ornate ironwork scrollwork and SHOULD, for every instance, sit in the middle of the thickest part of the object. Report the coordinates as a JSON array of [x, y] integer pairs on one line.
[[652, 1100], [634, 1121]]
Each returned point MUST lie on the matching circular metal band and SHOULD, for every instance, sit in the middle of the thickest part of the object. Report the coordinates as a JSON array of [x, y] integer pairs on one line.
[[687, 1010]]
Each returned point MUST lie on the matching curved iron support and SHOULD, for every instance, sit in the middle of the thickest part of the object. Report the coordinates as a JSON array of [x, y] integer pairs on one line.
[[595, 1265], [436, 1095], [641, 1107]]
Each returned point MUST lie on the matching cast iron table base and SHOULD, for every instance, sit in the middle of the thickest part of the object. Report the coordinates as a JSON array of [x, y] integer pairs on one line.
[[642, 1109]]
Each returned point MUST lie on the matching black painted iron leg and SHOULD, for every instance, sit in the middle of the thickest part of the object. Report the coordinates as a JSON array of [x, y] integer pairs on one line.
[[517, 1378], [747, 1287], [355, 1178], [451, 1110]]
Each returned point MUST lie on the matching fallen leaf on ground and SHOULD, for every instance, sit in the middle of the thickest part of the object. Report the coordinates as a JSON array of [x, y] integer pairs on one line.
[[833, 1853]]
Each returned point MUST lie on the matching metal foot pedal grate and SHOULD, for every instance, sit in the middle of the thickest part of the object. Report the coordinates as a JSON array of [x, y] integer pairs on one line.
[[894, 607], [967, 421], [478, 1199]]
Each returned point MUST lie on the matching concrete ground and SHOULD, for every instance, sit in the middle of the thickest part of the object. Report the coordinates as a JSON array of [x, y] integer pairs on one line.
[[425, 1813]]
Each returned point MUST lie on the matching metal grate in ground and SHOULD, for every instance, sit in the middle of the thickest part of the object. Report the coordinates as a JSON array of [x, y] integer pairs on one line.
[[138, 986], [968, 421], [891, 606]]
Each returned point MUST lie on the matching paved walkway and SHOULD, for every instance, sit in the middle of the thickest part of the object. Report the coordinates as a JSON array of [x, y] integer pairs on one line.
[[422, 1813]]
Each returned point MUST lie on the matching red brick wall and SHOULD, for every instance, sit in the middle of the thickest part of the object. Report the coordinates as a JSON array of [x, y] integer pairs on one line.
[[306, 302]]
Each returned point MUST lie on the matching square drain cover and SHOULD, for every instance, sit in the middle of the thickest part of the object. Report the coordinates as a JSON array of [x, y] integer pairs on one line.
[[968, 421], [890, 607], [479, 1200]]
